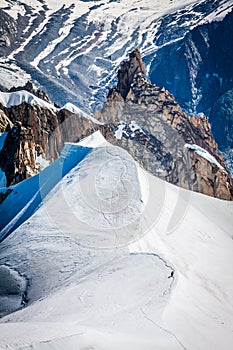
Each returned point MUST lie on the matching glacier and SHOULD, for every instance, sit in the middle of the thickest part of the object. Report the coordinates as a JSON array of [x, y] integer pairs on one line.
[[149, 288]]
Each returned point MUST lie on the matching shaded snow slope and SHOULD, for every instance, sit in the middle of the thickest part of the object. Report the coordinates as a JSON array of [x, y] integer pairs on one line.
[[24, 198], [99, 256], [2, 139]]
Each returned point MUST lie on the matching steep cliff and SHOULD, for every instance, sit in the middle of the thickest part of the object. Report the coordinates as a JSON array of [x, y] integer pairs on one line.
[[151, 125], [36, 132]]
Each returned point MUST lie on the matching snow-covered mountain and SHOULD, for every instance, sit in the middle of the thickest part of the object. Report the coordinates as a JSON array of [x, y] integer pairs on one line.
[[74, 49], [89, 271], [96, 252]]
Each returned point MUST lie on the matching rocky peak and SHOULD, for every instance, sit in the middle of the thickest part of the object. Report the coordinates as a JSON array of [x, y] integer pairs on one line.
[[127, 72], [163, 131]]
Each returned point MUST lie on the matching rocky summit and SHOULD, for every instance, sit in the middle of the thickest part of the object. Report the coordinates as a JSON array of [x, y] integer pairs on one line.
[[151, 125]]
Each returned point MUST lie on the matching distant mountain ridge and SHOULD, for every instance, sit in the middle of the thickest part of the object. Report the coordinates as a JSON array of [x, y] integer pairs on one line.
[[73, 50], [198, 70]]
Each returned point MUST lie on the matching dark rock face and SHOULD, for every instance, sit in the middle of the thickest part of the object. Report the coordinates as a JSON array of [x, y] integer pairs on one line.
[[34, 131], [128, 70], [8, 31], [155, 131], [40, 122], [29, 128], [9, 155], [221, 117], [198, 70]]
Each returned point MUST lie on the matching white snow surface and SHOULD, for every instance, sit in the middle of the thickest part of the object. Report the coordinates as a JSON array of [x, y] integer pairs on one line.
[[76, 110], [9, 99], [95, 140], [11, 75], [98, 255], [120, 131], [203, 153], [42, 161]]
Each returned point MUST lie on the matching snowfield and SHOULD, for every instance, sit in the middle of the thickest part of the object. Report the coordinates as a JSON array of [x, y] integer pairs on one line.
[[115, 258]]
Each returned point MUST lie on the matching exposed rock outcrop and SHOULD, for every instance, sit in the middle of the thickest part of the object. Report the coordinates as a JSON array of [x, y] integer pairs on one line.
[[161, 130], [35, 131], [17, 157], [128, 70]]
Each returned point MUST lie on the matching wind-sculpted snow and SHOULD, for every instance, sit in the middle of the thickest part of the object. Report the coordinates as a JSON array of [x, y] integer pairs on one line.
[[74, 50]]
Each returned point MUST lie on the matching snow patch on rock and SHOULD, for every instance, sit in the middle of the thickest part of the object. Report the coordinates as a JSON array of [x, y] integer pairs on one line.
[[10, 99], [203, 153]]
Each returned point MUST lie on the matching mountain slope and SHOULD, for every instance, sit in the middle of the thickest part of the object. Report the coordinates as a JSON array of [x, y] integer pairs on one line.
[[198, 71], [79, 295], [73, 50]]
